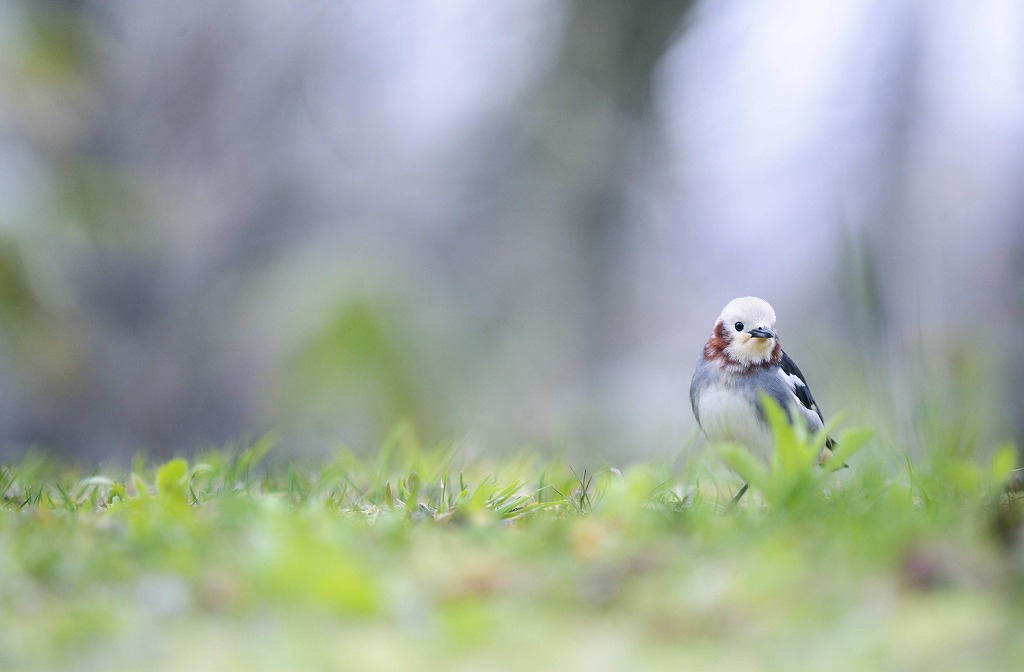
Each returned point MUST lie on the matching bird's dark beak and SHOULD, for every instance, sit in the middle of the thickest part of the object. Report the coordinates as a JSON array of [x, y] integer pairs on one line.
[[762, 332]]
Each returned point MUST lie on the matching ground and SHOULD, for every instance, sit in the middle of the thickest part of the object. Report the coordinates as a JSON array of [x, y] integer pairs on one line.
[[427, 559]]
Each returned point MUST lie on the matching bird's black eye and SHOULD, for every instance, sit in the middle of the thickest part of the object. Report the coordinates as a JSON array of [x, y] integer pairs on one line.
[[739, 326]]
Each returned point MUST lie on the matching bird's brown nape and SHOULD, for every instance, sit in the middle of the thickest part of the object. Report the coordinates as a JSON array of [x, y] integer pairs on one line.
[[714, 349]]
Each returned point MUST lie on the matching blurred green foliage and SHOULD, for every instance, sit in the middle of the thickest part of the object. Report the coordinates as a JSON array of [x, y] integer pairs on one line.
[[356, 366], [417, 558], [55, 44], [792, 479]]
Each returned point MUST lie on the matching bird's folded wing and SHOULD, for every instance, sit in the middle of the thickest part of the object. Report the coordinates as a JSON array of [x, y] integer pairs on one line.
[[797, 384]]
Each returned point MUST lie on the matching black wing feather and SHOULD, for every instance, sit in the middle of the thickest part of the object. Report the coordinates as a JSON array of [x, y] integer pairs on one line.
[[803, 392]]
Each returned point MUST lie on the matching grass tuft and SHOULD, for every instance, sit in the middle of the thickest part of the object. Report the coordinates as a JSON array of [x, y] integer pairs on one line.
[[414, 558]]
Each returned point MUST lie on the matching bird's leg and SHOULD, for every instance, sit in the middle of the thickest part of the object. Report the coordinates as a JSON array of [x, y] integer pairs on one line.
[[739, 495]]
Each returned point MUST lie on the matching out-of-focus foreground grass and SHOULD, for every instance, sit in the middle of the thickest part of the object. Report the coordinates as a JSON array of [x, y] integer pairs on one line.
[[428, 559]]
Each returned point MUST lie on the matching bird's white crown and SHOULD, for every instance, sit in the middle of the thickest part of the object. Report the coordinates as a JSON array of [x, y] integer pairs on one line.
[[750, 310]]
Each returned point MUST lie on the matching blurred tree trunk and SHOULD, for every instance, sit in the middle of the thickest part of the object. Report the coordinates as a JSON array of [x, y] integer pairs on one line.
[[1016, 354], [557, 252], [873, 257], [599, 93]]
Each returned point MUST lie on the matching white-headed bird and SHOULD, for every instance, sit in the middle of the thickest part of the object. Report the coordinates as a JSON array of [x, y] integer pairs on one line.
[[743, 359]]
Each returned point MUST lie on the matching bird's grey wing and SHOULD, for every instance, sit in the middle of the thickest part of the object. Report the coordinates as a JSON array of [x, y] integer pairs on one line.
[[795, 380], [701, 377]]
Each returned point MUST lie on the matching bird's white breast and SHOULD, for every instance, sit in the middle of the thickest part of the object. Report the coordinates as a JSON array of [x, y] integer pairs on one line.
[[729, 415]]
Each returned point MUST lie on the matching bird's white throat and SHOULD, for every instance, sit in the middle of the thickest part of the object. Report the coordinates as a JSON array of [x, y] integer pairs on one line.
[[746, 349]]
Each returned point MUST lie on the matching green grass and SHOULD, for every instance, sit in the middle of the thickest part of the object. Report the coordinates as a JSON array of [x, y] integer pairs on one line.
[[427, 559]]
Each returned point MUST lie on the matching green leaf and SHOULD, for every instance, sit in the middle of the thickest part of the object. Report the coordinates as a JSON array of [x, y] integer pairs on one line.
[[140, 486], [744, 463], [499, 496], [412, 487], [793, 454], [850, 444], [478, 500], [170, 478], [255, 453], [1003, 463]]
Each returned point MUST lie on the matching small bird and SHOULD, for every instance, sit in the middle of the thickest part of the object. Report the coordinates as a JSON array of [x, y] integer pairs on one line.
[[742, 359]]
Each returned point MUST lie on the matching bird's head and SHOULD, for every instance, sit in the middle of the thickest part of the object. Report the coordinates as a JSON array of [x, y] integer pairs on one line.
[[744, 335]]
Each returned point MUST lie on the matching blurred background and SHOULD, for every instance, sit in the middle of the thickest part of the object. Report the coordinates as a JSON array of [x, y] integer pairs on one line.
[[504, 222]]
